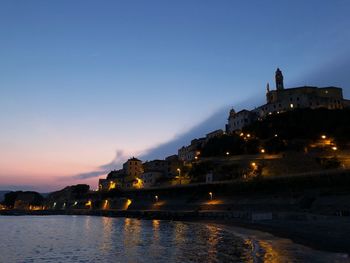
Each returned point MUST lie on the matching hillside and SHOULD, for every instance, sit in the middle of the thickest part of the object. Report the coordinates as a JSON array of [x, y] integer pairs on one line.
[[2, 194], [304, 124], [292, 130]]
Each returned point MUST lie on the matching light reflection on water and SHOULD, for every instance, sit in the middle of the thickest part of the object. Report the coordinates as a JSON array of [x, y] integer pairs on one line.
[[101, 239]]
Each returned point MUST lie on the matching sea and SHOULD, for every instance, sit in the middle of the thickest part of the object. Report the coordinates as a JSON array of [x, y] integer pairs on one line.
[[103, 239]]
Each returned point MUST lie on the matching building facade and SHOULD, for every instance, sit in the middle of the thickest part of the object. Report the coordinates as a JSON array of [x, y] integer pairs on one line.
[[133, 168], [128, 177], [149, 179], [168, 167], [236, 121], [281, 100], [190, 152], [213, 134]]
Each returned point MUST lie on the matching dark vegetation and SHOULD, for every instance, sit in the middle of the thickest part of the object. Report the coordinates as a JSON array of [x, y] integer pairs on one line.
[[304, 124], [11, 197], [220, 172], [286, 131], [2, 195], [329, 163], [78, 191]]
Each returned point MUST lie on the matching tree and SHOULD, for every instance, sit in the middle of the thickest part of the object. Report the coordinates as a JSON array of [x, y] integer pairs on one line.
[[10, 199]]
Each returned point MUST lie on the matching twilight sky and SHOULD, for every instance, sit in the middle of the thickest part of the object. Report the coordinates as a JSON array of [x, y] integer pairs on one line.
[[83, 80]]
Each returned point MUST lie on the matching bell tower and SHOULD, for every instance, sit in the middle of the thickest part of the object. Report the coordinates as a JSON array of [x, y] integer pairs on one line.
[[279, 79]]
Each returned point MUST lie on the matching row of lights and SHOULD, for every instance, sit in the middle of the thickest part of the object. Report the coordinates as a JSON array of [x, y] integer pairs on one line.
[[105, 204], [128, 202]]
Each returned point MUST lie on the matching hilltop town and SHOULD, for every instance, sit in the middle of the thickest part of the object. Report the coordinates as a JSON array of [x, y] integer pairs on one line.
[[239, 152]]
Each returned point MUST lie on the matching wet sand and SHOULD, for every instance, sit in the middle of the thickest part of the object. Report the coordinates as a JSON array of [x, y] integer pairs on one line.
[[326, 235]]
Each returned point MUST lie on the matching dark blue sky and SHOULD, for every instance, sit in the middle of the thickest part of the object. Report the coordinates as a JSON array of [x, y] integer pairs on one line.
[[82, 79]]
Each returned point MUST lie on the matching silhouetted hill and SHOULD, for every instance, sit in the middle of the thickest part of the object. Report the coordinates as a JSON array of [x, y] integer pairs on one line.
[[304, 124], [2, 194], [293, 130]]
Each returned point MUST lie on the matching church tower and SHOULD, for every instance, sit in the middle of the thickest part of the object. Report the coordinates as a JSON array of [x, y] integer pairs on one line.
[[279, 79]]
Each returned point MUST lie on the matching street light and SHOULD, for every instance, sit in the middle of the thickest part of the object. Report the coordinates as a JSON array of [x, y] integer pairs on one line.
[[156, 197], [227, 153], [211, 195], [323, 137], [262, 150], [179, 171]]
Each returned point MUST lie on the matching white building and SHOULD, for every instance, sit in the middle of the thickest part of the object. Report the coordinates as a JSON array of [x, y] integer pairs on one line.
[[236, 121], [149, 179], [282, 100], [189, 153]]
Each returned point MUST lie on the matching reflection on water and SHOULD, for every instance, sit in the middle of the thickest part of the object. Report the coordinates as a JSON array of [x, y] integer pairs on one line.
[[107, 234], [213, 235], [101, 239]]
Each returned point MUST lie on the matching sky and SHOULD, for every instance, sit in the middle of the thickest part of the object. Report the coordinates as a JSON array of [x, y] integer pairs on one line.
[[84, 85]]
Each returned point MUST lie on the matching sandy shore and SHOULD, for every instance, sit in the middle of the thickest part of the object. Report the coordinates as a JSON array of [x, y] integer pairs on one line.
[[326, 235]]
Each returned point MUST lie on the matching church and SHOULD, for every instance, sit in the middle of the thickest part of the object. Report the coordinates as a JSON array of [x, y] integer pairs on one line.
[[281, 100]]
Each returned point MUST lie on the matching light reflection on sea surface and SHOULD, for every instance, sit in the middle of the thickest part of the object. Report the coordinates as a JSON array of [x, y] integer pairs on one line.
[[101, 239]]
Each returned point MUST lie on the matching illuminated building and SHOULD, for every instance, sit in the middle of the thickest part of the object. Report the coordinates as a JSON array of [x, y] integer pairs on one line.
[[188, 153], [282, 100], [149, 179]]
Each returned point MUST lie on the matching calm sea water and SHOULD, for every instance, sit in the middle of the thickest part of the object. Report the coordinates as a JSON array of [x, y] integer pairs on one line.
[[101, 239]]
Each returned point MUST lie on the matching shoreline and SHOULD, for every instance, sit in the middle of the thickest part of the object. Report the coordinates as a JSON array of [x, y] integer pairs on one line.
[[331, 235], [321, 243]]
